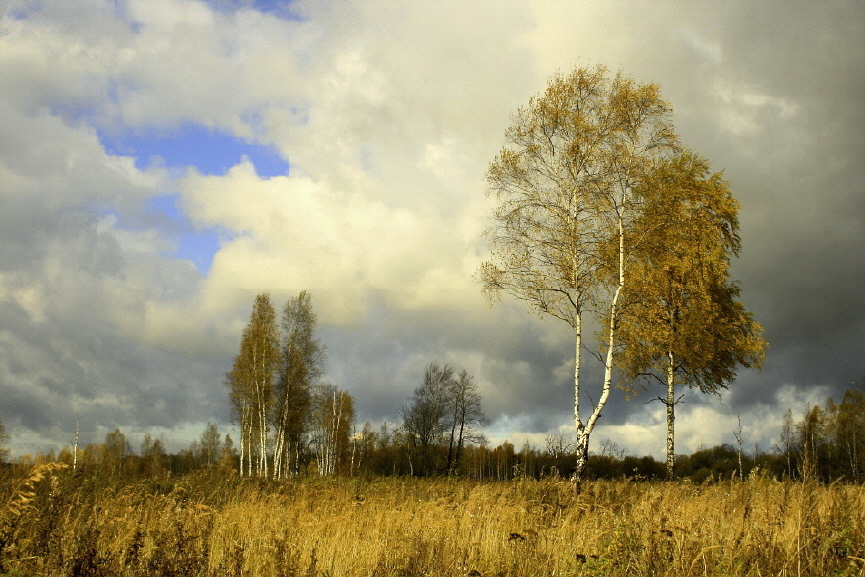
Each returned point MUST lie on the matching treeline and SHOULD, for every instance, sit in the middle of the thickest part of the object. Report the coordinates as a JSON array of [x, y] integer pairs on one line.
[[827, 444], [291, 423]]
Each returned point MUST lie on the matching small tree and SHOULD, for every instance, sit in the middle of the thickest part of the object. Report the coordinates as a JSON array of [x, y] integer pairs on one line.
[[332, 420], [788, 442], [812, 443], [153, 456], [846, 427], [444, 414], [115, 449], [466, 417], [424, 420], [227, 454], [209, 446]]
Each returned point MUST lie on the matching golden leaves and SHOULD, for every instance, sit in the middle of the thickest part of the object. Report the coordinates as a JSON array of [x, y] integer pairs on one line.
[[682, 302], [569, 170]]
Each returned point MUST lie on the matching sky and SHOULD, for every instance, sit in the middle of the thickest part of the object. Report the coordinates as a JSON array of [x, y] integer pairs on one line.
[[164, 161]]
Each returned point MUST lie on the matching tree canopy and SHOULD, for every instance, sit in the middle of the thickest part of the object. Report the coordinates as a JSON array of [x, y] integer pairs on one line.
[[603, 213], [568, 181]]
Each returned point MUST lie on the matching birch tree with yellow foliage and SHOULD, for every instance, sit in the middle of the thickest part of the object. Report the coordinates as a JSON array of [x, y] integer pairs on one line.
[[685, 324], [251, 385], [564, 235], [603, 217]]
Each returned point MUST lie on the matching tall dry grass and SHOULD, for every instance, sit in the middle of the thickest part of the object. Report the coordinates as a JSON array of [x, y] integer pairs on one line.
[[199, 526]]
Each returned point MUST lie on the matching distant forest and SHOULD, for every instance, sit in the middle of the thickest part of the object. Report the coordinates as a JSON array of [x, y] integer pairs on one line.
[[827, 444]]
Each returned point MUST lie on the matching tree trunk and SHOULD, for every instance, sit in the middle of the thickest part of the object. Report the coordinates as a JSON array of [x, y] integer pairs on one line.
[[582, 448], [459, 447], [451, 444], [671, 415], [584, 433]]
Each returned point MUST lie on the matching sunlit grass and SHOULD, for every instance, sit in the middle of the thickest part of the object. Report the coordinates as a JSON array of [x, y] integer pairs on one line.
[[210, 525]]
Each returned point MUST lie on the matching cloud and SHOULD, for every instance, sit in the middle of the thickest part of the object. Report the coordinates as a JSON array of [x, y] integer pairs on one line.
[[389, 114]]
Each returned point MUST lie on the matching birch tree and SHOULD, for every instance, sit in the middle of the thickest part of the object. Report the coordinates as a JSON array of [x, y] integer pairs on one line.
[[845, 429], [153, 456], [567, 184], [115, 449], [685, 324], [302, 359], [332, 422], [251, 383], [209, 446]]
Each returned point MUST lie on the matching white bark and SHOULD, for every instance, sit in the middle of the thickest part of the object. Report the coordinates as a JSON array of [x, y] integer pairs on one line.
[[584, 434], [671, 414]]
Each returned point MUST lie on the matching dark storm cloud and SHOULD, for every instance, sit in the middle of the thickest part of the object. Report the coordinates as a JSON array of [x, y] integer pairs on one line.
[[780, 109], [773, 95]]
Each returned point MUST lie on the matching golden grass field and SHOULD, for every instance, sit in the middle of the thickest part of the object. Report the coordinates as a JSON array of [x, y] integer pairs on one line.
[[67, 524]]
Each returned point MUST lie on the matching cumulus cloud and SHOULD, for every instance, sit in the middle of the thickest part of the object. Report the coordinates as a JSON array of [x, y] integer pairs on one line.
[[388, 115]]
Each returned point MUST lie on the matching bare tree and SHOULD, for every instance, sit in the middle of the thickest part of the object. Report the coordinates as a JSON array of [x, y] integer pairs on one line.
[[739, 440], [466, 417], [424, 420], [558, 445], [444, 414]]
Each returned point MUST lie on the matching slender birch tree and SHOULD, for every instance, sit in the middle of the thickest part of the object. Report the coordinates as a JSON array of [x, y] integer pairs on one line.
[[301, 365], [685, 324], [332, 420], [251, 383], [567, 182]]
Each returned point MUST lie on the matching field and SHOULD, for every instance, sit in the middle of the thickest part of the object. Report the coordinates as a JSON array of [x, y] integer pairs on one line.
[[59, 523]]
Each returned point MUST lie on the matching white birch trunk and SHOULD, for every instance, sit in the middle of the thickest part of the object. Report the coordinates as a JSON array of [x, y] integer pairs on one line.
[[671, 415], [277, 454], [241, 448], [578, 337], [584, 434]]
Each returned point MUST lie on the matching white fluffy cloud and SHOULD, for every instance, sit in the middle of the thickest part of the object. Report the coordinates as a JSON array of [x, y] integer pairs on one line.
[[388, 114]]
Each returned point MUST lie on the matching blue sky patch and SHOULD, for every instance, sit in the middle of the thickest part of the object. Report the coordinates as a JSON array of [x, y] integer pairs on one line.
[[199, 246], [280, 8], [210, 151]]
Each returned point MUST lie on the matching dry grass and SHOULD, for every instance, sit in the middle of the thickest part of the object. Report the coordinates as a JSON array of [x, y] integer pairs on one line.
[[404, 527], [24, 491]]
